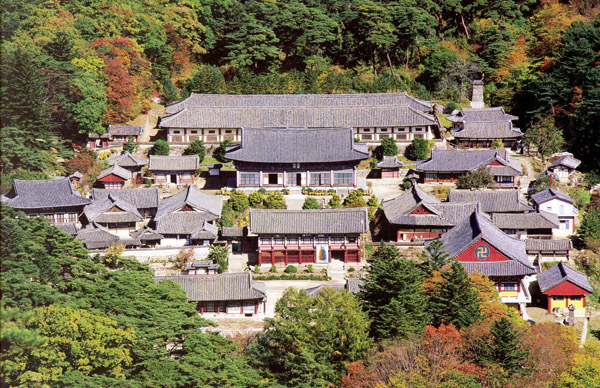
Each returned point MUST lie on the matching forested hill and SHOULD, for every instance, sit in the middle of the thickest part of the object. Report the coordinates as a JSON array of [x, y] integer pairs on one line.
[[72, 67]]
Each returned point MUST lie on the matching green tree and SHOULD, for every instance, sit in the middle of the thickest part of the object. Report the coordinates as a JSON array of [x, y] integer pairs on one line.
[[388, 147], [419, 148], [435, 257], [286, 347], [196, 148], [310, 203], [454, 300], [170, 92], [505, 347], [544, 136], [373, 202], [393, 294], [335, 201], [355, 199], [541, 183], [256, 199], [219, 254], [478, 179], [275, 200], [89, 110], [589, 230], [238, 201], [208, 79], [130, 145], [219, 152], [497, 144], [160, 147]]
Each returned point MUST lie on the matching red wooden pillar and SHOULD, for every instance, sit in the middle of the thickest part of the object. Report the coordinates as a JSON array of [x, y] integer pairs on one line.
[[286, 257], [583, 300], [549, 304], [345, 255], [272, 257], [259, 258], [359, 255]]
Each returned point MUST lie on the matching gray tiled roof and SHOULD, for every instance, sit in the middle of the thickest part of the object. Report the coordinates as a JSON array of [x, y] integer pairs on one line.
[[320, 221], [191, 196], [549, 194], [469, 160], [300, 145], [125, 130], [142, 198], [76, 175], [390, 162], [181, 223], [234, 231], [315, 291], [561, 272], [115, 170], [478, 227], [99, 211], [566, 161], [216, 288], [54, 193], [70, 228], [126, 160], [174, 163], [397, 211], [492, 201], [208, 232], [146, 234], [202, 264], [544, 245], [486, 130], [298, 100], [95, 236], [542, 220], [495, 114], [298, 117]]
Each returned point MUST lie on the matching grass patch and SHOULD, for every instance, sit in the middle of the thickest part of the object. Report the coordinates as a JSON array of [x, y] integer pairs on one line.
[[291, 277], [445, 122]]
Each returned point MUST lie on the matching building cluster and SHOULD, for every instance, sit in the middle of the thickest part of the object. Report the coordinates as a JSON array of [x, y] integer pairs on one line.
[[318, 141]]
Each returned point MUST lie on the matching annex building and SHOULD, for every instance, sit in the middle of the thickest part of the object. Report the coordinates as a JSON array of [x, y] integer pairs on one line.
[[372, 117], [288, 157]]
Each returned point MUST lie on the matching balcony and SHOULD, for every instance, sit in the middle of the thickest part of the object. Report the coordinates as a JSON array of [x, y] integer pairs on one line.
[[521, 296]]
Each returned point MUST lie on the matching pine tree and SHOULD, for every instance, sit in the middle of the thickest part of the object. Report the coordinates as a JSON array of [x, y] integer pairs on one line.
[[505, 348], [393, 294], [435, 257], [161, 147], [275, 200], [454, 300], [196, 148], [310, 204]]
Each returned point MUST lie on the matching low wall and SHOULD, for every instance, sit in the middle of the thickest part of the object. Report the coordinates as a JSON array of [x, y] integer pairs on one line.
[[150, 255]]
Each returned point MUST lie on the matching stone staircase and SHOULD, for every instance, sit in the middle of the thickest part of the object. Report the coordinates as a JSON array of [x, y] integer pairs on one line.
[[336, 271]]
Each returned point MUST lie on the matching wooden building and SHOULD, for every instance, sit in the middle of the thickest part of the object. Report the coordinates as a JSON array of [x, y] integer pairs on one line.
[[308, 236], [563, 287], [527, 225], [319, 158], [188, 218], [53, 199], [372, 117], [113, 178], [492, 201], [480, 246], [145, 199], [542, 250], [390, 167], [115, 134], [202, 268], [418, 215], [230, 293], [563, 167], [116, 215], [96, 236], [479, 127], [449, 165], [174, 169], [131, 163]]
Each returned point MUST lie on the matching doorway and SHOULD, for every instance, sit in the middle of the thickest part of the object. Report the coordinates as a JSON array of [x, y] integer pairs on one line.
[[173, 178], [272, 179]]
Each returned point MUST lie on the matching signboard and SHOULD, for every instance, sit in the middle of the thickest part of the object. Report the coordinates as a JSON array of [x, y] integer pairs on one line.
[[322, 254], [482, 252]]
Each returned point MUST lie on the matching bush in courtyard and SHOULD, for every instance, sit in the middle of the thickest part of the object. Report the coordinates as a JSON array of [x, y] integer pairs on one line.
[[309, 268], [310, 204], [131, 145], [273, 268], [290, 269], [419, 148], [477, 179], [497, 143], [256, 199], [275, 200], [354, 199], [219, 152], [335, 201], [238, 201], [388, 147], [161, 147], [196, 148]]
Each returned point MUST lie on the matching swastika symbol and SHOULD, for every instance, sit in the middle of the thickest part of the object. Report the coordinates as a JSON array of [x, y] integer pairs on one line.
[[482, 252]]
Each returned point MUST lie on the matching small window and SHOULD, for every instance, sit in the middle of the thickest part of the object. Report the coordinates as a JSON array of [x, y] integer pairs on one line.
[[228, 131], [549, 208], [383, 129], [212, 132], [194, 132], [176, 132], [367, 137], [575, 298]]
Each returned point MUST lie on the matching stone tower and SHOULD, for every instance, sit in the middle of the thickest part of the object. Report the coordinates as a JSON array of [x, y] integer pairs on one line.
[[477, 99]]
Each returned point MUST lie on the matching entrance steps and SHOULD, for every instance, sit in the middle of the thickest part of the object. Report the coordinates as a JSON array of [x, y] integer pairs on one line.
[[336, 270]]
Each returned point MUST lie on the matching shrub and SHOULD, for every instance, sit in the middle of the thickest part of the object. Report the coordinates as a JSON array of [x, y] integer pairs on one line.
[[351, 269], [497, 143], [257, 269], [354, 199], [256, 199], [161, 147], [332, 191], [373, 202], [388, 147], [452, 106], [290, 269], [238, 201], [335, 201], [275, 200], [309, 268], [262, 191], [148, 182], [219, 152], [419, 148], [406, 183], [285, 191], [310, 204], [196, 148], [477, 179], [131, 145], [273, 269]]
